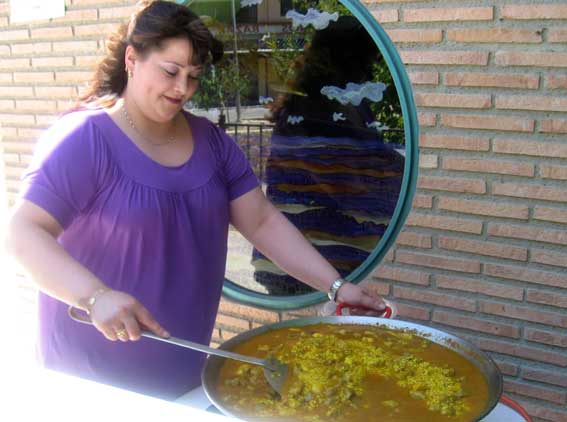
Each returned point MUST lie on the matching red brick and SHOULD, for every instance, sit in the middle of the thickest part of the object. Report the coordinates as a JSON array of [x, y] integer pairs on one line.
[[428, 161], [483, 165], [36, 105], [475, 324], [427, 119], [386, 16], [553, 126], [17, 120], [452, 184], [483, 248], [556, 81], [489, 208], [75, 46], [32, 48], [95, 29], [544, 412], [534, 11], [524, 313], [494, 35], [429, 140], [250, 313], [521, 273], [13, 64], [524, 352], [516, 190], [116, 12], [52, 62], [51, 33], [477, 101], [439, 14], [444, 223], [543, 256], [33, 77], [543, 376], [480, 287], [557, 35], [534, 391], [495, 80], [415, 35], [55, 91], [507, 368], [387, 272], [412, 312], [547, 298], [517, 58], [533, 148], [439, 299], [424, 78], [435, 261], [382, 289], [488, 122], [81, 15], [414, 239], [73, 77], [466, 58], [232, 323], [533, 102], [554, 215], [16, 91], [15, 35], [537, 234], [546, 337], [422, 201], [553, 172]]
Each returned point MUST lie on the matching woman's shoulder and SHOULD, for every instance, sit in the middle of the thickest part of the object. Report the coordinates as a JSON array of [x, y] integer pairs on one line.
[[73, 132]]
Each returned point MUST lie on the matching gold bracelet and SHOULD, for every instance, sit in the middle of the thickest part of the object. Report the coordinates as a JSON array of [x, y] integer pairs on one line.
[[88, 303]]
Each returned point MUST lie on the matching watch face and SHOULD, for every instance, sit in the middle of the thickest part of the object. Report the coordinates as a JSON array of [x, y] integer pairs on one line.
[[315, 95]]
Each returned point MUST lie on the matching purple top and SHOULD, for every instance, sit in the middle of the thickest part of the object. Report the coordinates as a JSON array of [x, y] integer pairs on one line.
[[158, 233]]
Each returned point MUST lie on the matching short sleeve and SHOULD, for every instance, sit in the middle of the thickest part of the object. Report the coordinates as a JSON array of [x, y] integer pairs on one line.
[[236, 169], [62, 178]]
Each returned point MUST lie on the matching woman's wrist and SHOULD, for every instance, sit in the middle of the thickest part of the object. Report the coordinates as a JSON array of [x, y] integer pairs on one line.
[[87, 303]]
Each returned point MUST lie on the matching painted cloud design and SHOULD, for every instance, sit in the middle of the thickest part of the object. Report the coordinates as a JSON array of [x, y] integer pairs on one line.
[[265, 100], [319, 20], [338, 116], [244, 3], [294, 120], [377, 125], [355, 93]]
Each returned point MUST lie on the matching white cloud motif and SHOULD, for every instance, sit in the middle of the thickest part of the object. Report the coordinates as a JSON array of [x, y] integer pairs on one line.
[[294, 120], [319, 20], [355, 93], [338, 116], [244, 3], [265, 100], [377, 125]]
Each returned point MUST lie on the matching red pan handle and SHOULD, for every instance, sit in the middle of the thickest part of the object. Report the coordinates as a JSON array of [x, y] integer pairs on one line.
[[387, 312], [516, 407]]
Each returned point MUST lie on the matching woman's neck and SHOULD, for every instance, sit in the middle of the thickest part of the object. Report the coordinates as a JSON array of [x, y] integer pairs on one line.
[[152, 131]]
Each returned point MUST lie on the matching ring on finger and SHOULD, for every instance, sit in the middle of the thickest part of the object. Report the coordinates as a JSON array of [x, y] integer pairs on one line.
[[122, 333]]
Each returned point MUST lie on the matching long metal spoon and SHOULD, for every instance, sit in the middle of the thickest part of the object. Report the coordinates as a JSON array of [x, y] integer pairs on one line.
[[275, 371]]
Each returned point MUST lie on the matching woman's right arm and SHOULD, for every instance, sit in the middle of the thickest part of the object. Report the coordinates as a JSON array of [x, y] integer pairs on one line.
[[32, 239]]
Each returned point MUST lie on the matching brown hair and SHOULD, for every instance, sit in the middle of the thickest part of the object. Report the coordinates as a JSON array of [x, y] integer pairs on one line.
[[155, 22]]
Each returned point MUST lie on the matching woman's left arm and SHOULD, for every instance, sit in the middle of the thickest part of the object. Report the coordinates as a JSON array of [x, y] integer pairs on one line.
[[277, 238]]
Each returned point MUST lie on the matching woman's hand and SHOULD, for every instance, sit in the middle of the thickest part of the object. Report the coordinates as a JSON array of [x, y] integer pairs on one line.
[[363, 297], [119, 316]]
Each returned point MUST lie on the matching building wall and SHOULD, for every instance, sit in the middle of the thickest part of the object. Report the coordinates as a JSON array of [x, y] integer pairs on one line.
[[484, 252]]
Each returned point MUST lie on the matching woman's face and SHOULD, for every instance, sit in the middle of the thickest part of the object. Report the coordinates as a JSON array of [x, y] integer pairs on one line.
[[165, 79]]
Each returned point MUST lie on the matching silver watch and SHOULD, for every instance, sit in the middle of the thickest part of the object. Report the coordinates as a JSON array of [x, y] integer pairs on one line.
[[334, 289]]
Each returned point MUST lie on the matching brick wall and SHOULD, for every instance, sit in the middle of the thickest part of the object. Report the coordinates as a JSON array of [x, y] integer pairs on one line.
[[484, 252]]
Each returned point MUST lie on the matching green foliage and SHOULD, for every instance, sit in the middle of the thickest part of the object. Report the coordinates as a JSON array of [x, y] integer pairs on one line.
[[388, 111]]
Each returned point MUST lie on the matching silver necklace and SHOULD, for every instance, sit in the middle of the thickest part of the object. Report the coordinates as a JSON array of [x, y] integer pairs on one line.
[[170, 140]]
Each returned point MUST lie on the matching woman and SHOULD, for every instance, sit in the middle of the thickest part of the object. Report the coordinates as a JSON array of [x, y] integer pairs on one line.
[[125, 214]]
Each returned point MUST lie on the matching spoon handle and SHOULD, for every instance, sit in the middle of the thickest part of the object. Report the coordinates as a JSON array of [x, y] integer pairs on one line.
[[84, 319]]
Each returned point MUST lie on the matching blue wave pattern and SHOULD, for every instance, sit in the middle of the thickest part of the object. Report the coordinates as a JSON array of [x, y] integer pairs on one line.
[[339, 192]]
